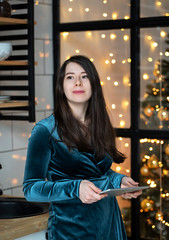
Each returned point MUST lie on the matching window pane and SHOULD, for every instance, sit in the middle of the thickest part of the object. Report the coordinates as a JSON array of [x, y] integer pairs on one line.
[[80, 10], [109, 51], [123, 145], [154, 78], [154, 8], [154, 202]]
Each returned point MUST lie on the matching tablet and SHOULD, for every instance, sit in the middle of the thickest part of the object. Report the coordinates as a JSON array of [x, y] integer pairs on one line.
[[120, 191]]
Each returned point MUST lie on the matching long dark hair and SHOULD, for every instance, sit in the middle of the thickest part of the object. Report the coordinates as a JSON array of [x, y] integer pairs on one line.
[[98, 134]]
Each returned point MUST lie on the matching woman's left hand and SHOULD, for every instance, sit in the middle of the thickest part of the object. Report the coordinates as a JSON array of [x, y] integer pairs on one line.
[[129, 182]]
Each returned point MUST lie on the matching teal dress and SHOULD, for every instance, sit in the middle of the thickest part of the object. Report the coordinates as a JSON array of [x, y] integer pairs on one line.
[[53, 174]]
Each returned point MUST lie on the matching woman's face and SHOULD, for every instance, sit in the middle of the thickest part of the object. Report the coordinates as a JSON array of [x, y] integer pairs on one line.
[[76, 84]]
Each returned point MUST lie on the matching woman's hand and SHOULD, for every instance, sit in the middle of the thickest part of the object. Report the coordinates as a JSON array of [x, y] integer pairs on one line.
[[89, 193], [129, 182]]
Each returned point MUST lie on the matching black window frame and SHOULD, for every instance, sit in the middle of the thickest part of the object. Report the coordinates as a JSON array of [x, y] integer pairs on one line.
[[134, 133]]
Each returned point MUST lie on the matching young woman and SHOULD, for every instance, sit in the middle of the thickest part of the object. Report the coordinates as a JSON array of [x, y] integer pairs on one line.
[[69, 158]]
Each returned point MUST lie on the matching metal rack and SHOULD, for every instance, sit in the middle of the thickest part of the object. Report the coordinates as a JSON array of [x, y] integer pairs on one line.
[[17, 72]]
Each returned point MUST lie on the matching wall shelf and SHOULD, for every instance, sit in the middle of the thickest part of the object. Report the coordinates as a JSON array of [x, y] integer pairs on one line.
[[14, 104], [12, 21], [19, 67], [13, 63]]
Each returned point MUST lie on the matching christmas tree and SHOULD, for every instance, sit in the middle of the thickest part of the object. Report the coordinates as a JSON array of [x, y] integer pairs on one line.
[[154, 171], [156, 102]]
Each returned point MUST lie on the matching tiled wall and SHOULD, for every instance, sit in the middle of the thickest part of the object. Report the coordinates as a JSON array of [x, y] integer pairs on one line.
[[14, 134]]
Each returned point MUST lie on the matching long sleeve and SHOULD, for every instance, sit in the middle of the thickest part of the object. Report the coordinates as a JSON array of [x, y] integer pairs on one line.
[[36, 187], [115, 178]]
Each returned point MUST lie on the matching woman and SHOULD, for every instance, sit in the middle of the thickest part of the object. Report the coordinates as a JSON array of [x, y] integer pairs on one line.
[[69, 158]]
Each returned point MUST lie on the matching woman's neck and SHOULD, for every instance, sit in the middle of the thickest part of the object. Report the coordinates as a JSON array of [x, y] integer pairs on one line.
[[79, 111]]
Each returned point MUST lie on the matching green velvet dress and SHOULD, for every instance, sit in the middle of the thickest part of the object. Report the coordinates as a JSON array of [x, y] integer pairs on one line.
[[53, 174]]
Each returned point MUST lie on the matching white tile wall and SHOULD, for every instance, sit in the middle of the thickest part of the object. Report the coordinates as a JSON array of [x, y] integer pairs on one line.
[[43, 28], [48, 56], [35, 236], [43, 92], [14, 134], [13, 164], [21, 132], [5, 136], [39, 56]]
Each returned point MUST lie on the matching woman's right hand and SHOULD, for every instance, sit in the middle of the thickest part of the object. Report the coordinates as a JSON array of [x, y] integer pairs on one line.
[[89, 193]]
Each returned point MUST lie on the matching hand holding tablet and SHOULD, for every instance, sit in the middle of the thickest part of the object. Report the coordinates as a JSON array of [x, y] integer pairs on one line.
[[120, 191]]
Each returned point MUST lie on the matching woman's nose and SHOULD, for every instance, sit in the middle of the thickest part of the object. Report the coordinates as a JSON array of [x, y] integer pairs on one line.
[[78, 82]]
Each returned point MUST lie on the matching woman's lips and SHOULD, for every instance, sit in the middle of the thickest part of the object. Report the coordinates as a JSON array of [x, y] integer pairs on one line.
[[78, 92]]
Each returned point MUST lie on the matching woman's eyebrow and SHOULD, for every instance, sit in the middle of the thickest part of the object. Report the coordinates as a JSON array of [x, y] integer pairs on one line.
[[69, 73], [73, 73]]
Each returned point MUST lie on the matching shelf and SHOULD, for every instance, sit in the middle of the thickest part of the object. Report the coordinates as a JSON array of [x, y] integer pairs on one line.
[[12, 21], [14, 104], [13, 63]]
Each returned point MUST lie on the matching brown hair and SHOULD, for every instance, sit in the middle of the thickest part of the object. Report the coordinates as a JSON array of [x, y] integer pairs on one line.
[[98, 129]]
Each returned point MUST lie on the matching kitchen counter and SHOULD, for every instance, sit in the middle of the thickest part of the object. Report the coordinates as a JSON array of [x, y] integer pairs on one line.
[[11, 229], [19, 227]]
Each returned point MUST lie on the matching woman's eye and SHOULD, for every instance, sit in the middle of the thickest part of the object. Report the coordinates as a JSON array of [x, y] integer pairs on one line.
[[69, 77], [84, 76]]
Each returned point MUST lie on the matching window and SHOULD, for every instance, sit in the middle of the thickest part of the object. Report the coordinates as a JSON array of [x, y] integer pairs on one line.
[[129, 43]]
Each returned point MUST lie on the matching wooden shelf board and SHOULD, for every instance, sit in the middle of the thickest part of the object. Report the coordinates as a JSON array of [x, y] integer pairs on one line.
[[13, 63], [14, 104], [12, 21]]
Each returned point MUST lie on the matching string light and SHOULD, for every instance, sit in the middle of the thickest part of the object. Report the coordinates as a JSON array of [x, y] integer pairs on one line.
[[166, 54], [126, 80], [122, 123], [105, 15], [163, 33], [113, 61], [103, 35], [118, 169], [108, 78], [70, 9], [114, 15], [107, 62], [111, 54], [145, 76], [113, 106], [87, 9], [149, 37], [77, 51], [91, 59], [116, 83], [126, 37], [112, 36], [154, 44], [150, 59], [158, 3], [126, 17], [65, 34]]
